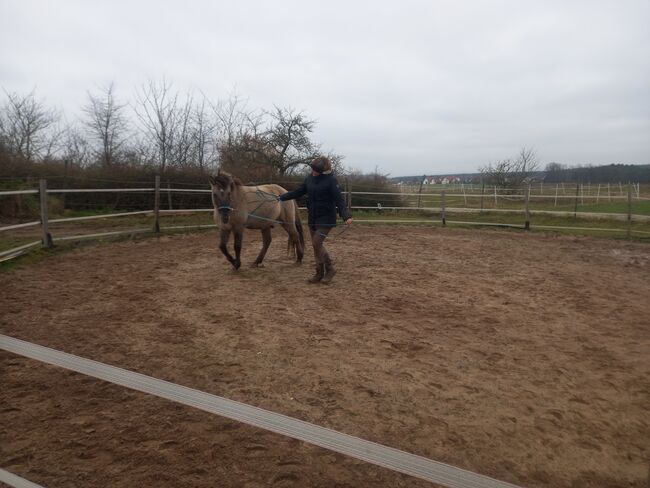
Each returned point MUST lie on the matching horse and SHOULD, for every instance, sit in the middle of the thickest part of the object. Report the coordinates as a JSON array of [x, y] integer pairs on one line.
[[237, 206]]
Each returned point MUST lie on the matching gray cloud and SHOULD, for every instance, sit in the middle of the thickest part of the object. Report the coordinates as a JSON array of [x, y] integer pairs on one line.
[[413, 87]]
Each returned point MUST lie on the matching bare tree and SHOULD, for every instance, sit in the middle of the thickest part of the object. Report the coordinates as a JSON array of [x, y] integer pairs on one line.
[[76, 148], [204, 137], [156, 109], [167, 123], [106, 123], [288, 140], [25, 125], [512, 172], [278, 140], [183, 133]]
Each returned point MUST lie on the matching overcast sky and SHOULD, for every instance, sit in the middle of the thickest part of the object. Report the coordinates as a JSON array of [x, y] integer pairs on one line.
[[412, 87]]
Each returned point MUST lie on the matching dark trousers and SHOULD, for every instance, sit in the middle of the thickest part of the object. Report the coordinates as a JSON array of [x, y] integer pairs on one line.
[[318, 236]]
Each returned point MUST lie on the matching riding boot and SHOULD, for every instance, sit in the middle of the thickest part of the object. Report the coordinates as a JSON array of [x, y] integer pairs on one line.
[[329, 272], [320, 271]]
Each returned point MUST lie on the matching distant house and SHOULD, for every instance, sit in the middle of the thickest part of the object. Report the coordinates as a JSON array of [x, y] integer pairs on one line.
[[446, 180]]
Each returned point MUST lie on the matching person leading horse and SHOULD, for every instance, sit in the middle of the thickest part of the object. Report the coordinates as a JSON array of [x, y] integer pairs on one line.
[[323, 199]]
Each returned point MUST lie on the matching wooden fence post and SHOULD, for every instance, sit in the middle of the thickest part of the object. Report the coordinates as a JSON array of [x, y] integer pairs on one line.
[[482, 192], [444, 220], [629, 210], [156, 207], [420, 191], [46, 237], [495, 197], [575, 207], [557, 187], [526, 208], [349, 185], [169, 194]]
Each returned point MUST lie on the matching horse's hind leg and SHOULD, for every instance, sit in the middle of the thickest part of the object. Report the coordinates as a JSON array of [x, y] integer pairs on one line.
[[266, 242], [295, 240], [223, 245]]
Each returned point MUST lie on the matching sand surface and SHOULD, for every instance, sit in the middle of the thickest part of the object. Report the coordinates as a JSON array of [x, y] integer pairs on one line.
[[522, 357]]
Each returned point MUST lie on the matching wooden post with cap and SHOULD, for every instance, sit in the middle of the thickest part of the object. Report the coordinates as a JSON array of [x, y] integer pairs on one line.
[[527, 209], [46, 237], [156, 207], [444, 220]]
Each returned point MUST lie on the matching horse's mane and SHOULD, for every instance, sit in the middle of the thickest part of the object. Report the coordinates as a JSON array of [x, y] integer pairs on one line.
[[222, 178]]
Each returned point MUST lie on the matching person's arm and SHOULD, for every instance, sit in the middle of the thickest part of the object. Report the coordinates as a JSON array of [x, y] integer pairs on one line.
[[297, 193], [340, 202]]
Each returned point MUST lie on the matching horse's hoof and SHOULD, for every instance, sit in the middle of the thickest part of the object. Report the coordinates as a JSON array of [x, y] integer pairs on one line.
[[255, 264]]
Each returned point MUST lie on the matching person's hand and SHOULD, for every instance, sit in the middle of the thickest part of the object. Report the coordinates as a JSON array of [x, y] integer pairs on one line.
[[349, 221]]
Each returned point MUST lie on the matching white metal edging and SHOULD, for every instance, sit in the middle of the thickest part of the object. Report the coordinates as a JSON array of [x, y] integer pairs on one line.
[[371, 452], [16, 481]]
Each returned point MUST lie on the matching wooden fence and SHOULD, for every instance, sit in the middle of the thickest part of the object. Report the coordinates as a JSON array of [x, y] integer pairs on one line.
[[525, 195]]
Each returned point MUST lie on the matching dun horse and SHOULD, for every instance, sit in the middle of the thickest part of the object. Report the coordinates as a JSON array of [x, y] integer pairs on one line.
[[237, 206]]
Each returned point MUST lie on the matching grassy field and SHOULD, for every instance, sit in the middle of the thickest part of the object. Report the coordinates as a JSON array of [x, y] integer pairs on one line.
[[639, 207]]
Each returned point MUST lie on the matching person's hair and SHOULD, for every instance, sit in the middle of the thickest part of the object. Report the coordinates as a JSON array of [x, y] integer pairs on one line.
[[321, 164]]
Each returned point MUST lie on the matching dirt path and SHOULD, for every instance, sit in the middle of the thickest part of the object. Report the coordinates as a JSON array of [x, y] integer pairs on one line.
[[523, 357]]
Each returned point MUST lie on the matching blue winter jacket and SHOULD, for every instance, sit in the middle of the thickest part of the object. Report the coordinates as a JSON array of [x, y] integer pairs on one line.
[[323, 198]]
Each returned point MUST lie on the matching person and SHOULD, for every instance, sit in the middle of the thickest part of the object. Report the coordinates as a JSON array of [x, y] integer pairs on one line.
[[323, 199]]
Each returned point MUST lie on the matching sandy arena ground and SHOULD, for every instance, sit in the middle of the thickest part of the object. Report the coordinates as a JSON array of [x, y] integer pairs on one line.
[[525, 357]]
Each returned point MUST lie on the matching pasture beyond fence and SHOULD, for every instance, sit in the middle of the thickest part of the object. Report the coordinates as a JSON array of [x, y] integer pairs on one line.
[[423, 204]]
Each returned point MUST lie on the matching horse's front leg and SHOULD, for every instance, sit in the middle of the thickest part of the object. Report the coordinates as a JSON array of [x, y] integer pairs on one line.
[[266, 242], [239, 237], [223, 245]]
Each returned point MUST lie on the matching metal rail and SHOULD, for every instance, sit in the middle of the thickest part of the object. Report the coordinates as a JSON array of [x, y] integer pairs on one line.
[[371, 452]]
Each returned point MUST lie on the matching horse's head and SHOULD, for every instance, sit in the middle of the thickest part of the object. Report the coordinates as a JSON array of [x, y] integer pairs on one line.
[[223, 186]]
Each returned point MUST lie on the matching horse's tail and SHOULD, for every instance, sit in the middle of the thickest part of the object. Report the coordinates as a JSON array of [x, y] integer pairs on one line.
[[291, 246], [301, 234]]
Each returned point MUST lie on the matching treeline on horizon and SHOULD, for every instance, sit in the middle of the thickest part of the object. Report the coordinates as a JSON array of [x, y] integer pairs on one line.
[[556, 173]]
